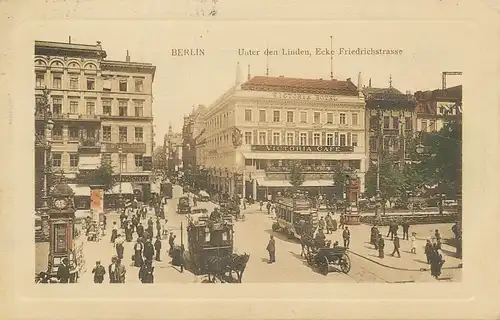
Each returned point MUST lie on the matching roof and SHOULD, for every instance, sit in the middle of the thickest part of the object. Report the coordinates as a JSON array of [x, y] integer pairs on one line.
[[312, 86], [439, 94], [390, 90], [51, 45], [124, 64]]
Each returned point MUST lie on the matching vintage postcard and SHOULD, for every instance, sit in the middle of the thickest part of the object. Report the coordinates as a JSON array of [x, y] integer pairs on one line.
[[217, 158]]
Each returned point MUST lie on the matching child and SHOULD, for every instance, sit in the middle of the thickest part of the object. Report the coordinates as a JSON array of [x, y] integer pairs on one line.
[[413, 243]]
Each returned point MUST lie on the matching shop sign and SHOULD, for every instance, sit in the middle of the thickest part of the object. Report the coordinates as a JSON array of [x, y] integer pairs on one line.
[[320, 149], [126, 147], [304, 96], [139, 179]]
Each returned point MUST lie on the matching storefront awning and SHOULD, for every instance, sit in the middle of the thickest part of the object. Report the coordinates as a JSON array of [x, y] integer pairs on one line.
[[285, 183], [126, 188], [80, 190], [89, 162], [297, 156]]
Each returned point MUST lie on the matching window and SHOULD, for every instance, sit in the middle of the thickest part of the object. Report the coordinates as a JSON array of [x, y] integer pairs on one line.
[[317, 117], [57, 105], [122, 131], [408, 124], [122, 108], [73, 133], [354, 119], [329, 139], [106, 133], [138, 161], [316, 139], [56, 160], [139, 108], [354, 140], [90, 84], [276, 138], [139, 134], [289, 139], [40, 80], [139, 85], [336, 138], [373, 144], [342, 140], [262, 115], [73, 83], [303, 139], [90, 108], [73, 160], [289, 116], [386, 122], [262, 138], [106, 107], [123, 162], [248, 138], [348, 138], [303, 117], [248, 115], [57, 81], [123, 85], [57, 132], [432, 125], [395, 123], [106, 158], [73, 107], [329, 118], [424, 125], [342, 118], [276, 116]]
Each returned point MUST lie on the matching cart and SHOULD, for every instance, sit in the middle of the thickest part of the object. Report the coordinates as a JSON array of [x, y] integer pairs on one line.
[[328, 259]]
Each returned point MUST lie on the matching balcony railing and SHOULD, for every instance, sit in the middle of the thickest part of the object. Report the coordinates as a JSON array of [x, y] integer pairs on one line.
[[303, 169], [70, 116], [89, 144]]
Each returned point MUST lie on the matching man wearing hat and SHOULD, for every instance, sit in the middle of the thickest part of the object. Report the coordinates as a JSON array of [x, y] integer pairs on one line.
[[148, 250], [98, 272], [63, 273], [112, 271]]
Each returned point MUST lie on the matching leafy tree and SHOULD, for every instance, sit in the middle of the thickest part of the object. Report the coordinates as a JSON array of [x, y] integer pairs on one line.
[[296, 176], [392, 180], [104, 176], [339, 180]]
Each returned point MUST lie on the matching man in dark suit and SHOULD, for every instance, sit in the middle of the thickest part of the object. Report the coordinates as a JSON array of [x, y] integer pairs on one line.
[[271, 248], [63, 272]]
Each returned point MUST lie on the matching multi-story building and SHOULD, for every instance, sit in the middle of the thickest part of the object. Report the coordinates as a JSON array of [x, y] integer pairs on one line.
[[255, 131], [392, 120], [172, 144], [102, 110], [193, 126], [435, 108]]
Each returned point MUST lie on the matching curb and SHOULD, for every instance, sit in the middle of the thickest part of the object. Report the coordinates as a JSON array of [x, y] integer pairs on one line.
[[398, 268]]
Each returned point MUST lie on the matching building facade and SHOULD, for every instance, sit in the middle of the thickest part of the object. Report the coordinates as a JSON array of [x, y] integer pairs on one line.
[[435, 108], [257, 130], [102, 112], [392, 120], [172, 144]]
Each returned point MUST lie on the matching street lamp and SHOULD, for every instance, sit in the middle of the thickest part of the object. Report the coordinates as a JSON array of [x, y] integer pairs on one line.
[[120, 152], [419, 149]]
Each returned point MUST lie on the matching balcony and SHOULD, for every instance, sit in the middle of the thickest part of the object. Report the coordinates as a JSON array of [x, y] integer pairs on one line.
[[304, 169], [71, 117], [89, 145]]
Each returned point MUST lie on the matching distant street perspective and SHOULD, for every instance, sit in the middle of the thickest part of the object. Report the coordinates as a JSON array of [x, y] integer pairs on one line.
[[278, 179]]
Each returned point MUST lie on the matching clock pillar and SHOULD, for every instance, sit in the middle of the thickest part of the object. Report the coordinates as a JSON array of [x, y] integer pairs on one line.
[[62, 229]]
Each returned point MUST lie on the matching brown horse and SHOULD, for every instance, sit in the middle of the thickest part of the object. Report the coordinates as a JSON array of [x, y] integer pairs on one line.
[[238, 265]]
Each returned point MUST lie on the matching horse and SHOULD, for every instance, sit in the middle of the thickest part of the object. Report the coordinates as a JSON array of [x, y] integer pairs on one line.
[[217, 267], [238, 265], [306, 242]]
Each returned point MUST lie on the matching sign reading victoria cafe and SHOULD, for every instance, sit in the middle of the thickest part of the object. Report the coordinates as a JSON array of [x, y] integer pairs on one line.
[[285, 148]]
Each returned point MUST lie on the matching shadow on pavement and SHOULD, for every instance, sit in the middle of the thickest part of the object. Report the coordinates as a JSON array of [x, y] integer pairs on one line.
[[283, 237], [304, 262]]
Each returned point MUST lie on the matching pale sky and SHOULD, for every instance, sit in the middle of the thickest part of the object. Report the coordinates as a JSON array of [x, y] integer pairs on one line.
[[181, 82]]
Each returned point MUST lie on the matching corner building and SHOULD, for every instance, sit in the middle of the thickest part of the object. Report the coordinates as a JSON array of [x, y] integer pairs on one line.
[[99, 107], [256, 130]]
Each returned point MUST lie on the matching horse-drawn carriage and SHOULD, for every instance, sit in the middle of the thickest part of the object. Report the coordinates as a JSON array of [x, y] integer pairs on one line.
[[210, 248], [326, 258], [294, 216]]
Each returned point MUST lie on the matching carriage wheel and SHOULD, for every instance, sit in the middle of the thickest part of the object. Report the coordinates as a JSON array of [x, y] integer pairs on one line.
[[309, 258], [345, 263], [324, 266]]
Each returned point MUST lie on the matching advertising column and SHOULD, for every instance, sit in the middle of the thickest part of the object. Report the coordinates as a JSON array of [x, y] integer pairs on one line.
[[97, 205]]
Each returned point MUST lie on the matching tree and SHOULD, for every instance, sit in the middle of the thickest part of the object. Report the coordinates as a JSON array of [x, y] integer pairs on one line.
[[340, 180], [392, 180], [296, 176], [104, 176]]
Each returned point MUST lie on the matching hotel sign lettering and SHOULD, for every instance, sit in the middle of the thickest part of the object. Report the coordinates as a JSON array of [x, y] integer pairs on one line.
[[322, 149], [126, 147], [304, 96]]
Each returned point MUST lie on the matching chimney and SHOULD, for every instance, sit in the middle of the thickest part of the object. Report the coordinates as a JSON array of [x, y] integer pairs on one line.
[[69, 40], [127, 58], [370, 83], [98, 43], [237, 80], [360, 83], [348, 79], [249, 75], [281, 76]]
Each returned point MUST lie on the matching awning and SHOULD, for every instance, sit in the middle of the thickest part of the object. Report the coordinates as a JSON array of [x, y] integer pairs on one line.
[[299, 156], [80, 189], [285, 183], [89, 162], [126, 188]]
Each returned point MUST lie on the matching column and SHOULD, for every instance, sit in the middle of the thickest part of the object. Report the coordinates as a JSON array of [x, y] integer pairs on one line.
[[254, 189]]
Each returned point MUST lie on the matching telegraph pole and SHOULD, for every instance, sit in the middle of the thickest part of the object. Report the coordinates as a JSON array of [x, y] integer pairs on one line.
[[379, 159]]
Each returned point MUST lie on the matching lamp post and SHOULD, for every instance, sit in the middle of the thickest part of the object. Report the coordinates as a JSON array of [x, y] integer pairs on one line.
[[379, 145], [120, 199]]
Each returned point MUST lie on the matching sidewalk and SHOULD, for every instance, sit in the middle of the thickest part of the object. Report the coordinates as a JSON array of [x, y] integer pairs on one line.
[[360, 246]]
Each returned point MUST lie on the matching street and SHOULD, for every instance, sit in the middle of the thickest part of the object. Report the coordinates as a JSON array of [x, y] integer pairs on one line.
[[251, 236]]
